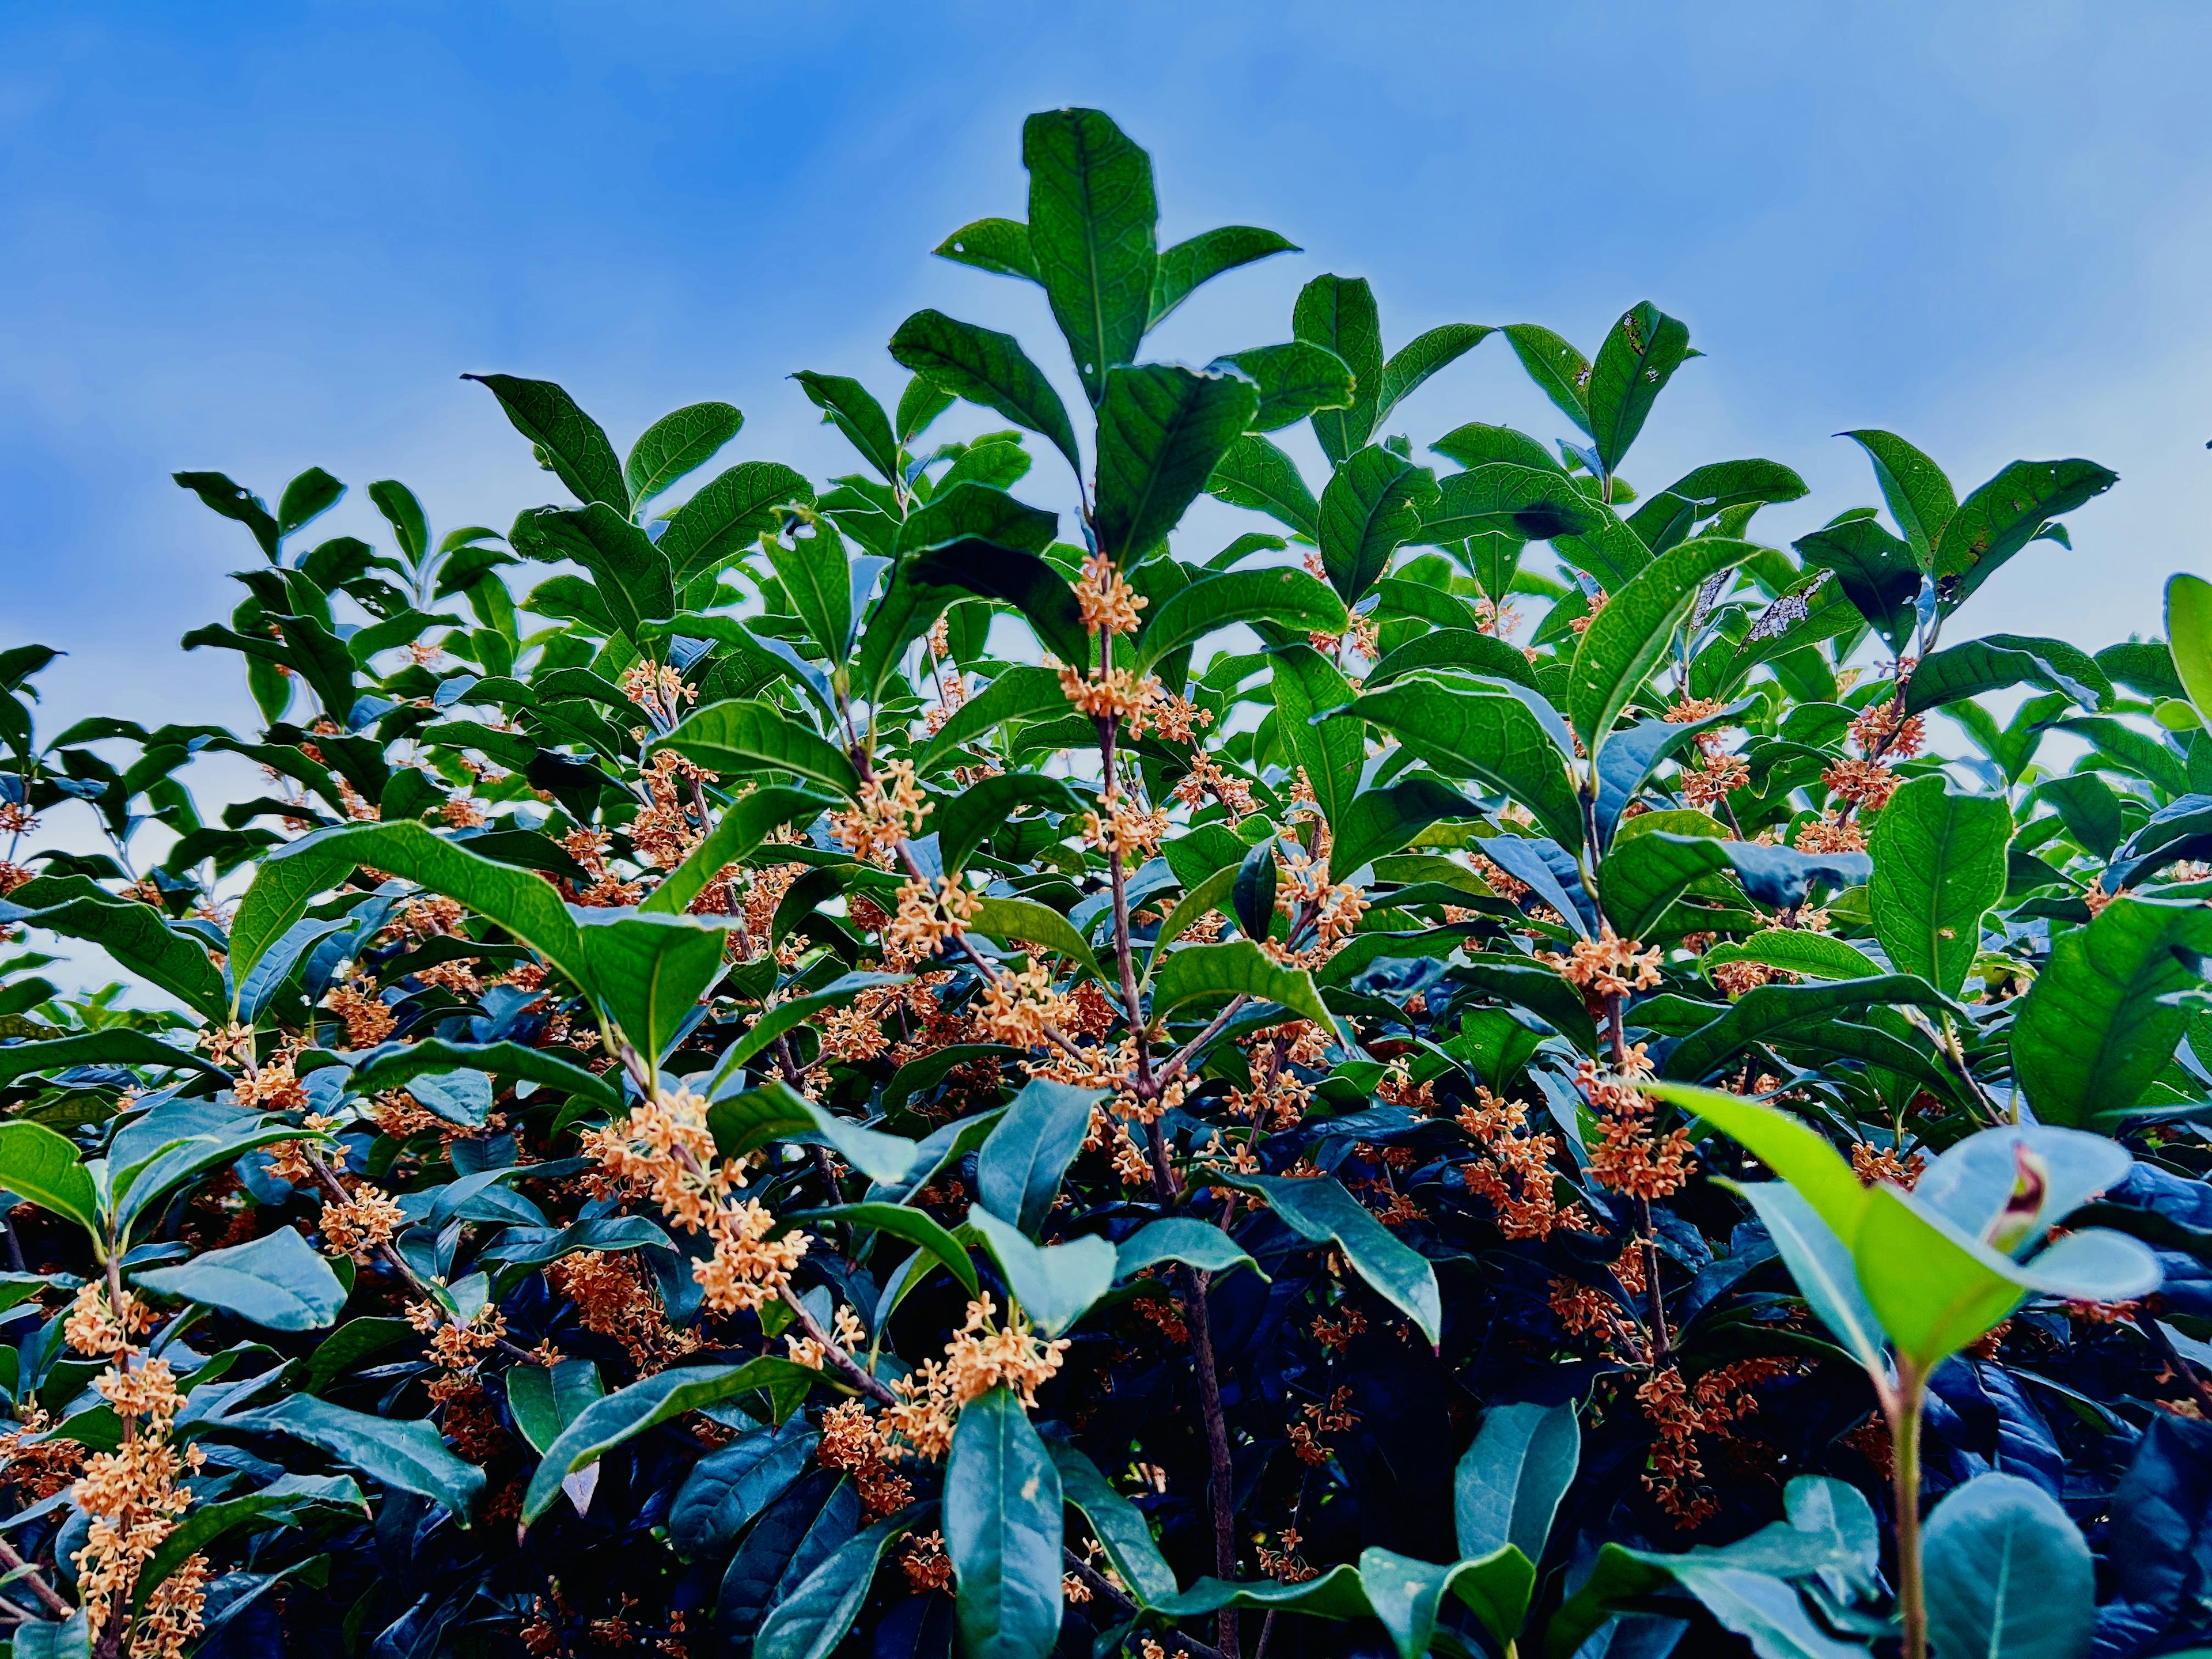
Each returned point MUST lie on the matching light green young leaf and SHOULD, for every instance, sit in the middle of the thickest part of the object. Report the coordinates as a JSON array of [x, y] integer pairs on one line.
[[41, 1166]]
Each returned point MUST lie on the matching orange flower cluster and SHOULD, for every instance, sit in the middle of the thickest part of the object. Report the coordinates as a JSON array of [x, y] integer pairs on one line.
[[1111, 694], [863, 1448], [1607, 966], [928, 916], [35, 1464], [1285, 1566], [925, 1564], [369, 1219], [891, 809], [1714, 779], [663, 831], [607, 890], [614, 1298], [1516, 1172], [368, 1020], [1132, 832], [1681, 1411], [1830, 834], [1863, 782], [1017, 1007], [1737, 977], [133, 1496], [659, 691], [1105, 599], [1628, 1157], [1316, 1420], [1206, 778], [979, 1358], [1879, 732], [1872, 1163], [93, 1326]]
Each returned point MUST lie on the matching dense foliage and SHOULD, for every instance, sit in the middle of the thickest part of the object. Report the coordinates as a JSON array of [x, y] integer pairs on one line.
[[867, 1066]]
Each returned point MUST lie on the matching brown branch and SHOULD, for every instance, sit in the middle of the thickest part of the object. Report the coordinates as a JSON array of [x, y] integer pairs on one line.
[[15, 1563]]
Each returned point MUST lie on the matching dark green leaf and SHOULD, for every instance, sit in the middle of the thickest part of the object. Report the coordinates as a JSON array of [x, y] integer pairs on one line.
[[853, 409], [1511, 1480], [1018, 1172], [1003, 1531], [2104, 1017], [1379, 822], [740, 738], [1255, 474], [724, 517], [1529, 503], [1640, 354], [2008, 1575], [570, 442], [1420, 357], [1186, 265], [404, 1453], [677, 443], [1196, 1244], [41, 1166], [277, 1282], [1092, 222], [1920, 497], [984, 368], [1939, 865], [1294, 380], [1562, 372], [1193, 973], [1320, 1209], [1001, 246], [1055, 1284], [2005, 514], [1162, 431], [1475, 730], [1632, 633], [1879, 574], [1373, 504], [1338, 314]]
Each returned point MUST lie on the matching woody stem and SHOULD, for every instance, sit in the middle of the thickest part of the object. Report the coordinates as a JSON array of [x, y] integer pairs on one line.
[[15, 1563]]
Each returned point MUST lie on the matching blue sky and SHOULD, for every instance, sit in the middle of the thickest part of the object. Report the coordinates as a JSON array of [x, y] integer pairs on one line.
[[258, 238]]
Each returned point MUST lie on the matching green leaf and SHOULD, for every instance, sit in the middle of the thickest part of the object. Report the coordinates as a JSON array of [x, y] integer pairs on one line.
[[394, 1065], [1466, 728], [1020, 692], [233, 501], [280, 1500], [1640, 354], [2189, 628], [1001, 246], [1031, 585], [1092, 220], [308, 496], [818, 579], [1031, 923], [1018, 1172], [1255, 474], [1511, 1480], [853, 411], [972, 511], [405, 1454], [41, 1166], [277, 1282], [1822, 1264], [985, 807], [1770, 1013], [1195, 1243], [1003, 1530], [2008, 1575], [1407, 1593], [1338, 314], [1373, 504], [1562, 373], [631, 574], [1822, 955], [1214, 892], [2105, 1015], [741, 737], [1939, 866], [1969, 669], [1796, 1152], [1308, 684], [1413, 363], [1182, 268], [1454, 647], [546, 1399], [677, 443], [728, 1488], [1055, 1284], [113, 1045], [811, 1620], [527, 906], [1920, 497], [1194, 973], [1295, 380], [570, 442], [623, 1416], [724, 517], [1115, 1522], [744, 1123], [2005, 514], [985, 368], [1529, 503], [137, 935], [743, 825], [1879, 574], [917, 1227], [1162, 431], [1378, 822], [647, 969], [1319, 1208], [1630, 636], [1666, 518]]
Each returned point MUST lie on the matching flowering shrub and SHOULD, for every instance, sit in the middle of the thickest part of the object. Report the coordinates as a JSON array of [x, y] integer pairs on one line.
[[867, 1064]]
